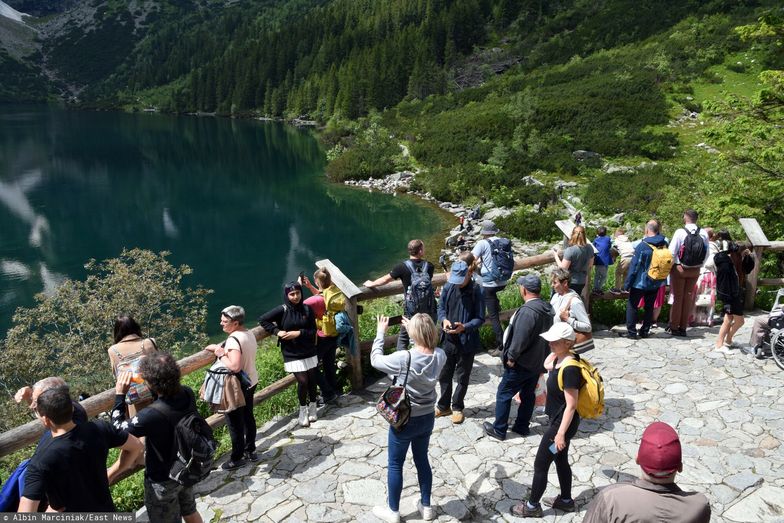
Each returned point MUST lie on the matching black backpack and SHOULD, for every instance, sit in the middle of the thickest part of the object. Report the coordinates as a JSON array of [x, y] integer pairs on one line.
[[420, 296], [692, 252], [194, 443]]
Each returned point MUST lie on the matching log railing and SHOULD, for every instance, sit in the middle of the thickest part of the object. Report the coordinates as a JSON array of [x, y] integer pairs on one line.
[[27, 434]]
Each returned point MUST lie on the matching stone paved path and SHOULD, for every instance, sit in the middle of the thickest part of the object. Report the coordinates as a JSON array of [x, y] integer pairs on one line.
[[729, 411]]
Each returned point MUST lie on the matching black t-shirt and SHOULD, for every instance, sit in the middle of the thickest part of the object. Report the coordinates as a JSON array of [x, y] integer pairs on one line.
[[79, 416], [556, 400], [402, 273], [70, 470], [158, 430]]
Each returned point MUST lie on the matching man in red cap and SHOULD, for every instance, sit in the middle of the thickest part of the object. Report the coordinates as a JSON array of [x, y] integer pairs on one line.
[[655, 496]]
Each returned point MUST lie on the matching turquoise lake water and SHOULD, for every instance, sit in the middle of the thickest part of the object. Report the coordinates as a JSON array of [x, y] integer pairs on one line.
[[243, 202]]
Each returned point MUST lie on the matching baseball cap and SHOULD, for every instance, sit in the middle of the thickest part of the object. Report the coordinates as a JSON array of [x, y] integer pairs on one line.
[[530, 282], [458, 272], [559, 331], [660, 450]]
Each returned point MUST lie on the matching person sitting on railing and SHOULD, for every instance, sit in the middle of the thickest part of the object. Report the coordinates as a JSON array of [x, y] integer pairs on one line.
[[413, 302], [238, 353], [129, 344], [166, 500], [68, 470], [294, 323]]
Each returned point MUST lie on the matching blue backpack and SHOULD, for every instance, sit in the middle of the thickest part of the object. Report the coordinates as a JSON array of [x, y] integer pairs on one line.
[[11, 493], [502, 265]]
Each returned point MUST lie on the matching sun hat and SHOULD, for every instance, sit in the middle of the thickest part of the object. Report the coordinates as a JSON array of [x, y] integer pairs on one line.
[[489, 228]]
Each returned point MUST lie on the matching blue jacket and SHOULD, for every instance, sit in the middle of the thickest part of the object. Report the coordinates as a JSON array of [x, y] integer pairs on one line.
[[602, 244], [471, 314], [638, 268]]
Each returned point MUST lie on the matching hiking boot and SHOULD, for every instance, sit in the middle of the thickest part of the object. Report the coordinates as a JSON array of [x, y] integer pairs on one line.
[[441, 413], [312, 414], [303, 417], [386, 514], [231, 464], [559, 504], [457, 417], [522, 510], [490, 431], [427, 513]]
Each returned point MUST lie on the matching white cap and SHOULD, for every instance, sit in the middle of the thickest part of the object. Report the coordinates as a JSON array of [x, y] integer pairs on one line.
[[559, 331]]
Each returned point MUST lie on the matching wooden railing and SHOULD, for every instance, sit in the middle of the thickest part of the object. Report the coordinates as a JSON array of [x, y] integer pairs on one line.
[[29, 433]]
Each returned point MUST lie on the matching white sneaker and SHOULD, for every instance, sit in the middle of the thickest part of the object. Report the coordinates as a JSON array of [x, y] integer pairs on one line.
[[723, 349], [427, 513], [386, 514], [312, 414], [303, 417]]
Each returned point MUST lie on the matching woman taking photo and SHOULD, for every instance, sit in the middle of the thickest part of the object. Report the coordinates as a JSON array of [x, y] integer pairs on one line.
[[238, 353], [426, 362], [295, 326], [562, 409]]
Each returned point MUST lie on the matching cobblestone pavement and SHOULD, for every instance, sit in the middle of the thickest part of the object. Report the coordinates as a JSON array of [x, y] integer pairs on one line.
[[728, 410]]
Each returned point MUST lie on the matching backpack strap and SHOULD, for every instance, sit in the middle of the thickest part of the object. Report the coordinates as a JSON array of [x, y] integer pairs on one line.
[[237, 340], [569, 362]]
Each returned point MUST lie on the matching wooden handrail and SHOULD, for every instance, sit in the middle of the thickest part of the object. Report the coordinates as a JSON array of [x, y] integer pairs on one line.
[[27, 434]]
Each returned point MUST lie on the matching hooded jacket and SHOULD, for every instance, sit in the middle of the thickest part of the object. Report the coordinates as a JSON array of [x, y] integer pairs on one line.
[[522, 343], [638, 268], [422, 378]]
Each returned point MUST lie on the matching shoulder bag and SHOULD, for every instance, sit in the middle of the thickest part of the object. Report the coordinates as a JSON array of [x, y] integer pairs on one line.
[[394, 404], [583, 341]]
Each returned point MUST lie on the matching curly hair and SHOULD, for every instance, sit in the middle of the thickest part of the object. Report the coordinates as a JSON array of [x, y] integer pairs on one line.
[[161, 373]]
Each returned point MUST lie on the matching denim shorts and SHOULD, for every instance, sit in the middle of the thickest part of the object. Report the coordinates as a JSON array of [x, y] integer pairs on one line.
[[168, 501]]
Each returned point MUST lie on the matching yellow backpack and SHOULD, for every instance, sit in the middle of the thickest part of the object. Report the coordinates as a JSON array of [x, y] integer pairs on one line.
[[661, 262], [590, 401], [334, 302]]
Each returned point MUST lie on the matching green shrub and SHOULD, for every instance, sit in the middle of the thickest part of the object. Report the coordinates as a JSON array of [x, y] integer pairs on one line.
[[530, 225]]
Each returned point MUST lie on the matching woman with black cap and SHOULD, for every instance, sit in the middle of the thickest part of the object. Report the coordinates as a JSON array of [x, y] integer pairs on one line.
[[294, 323]]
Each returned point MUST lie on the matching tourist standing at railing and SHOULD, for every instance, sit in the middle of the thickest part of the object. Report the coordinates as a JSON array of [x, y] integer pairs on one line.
[[294, 323], [166, 500], [416, 299], [238, 353], [644, 290], [460, 315], [577, 259], [327, 302], [689, 247], [423, 363], [489, 251], [69, 469], [129, 343]]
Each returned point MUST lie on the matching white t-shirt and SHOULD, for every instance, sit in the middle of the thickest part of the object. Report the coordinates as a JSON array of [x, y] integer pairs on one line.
[[680, 235], [249, 347]]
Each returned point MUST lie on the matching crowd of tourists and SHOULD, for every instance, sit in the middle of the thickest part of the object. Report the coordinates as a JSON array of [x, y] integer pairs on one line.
[[542, 346]]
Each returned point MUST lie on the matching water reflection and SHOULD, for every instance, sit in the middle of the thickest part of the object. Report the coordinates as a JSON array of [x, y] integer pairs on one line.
[[242, 202]]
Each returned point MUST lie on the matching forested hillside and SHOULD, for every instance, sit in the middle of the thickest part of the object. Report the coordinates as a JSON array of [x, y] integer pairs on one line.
[[676, 102]]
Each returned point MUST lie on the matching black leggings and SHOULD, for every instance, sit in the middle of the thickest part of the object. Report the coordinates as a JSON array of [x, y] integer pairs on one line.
[[306, 385], [544, 458]]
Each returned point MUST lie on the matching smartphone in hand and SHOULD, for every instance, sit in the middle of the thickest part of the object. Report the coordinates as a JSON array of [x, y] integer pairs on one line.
[[553, 448]]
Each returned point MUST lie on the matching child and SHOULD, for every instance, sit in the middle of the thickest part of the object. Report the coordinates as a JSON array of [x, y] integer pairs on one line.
[[602, 259]]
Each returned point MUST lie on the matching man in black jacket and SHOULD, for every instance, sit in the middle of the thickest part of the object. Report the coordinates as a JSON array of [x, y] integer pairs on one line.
[[523, 359]]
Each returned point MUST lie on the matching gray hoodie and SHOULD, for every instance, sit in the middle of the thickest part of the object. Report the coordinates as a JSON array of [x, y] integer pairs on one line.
[[422, 377]]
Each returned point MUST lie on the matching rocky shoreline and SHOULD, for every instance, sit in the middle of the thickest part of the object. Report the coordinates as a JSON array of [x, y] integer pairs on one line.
[[400, 182]]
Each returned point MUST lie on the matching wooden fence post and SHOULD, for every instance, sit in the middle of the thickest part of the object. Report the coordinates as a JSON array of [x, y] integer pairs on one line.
[[759, 242], [351, 292]]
